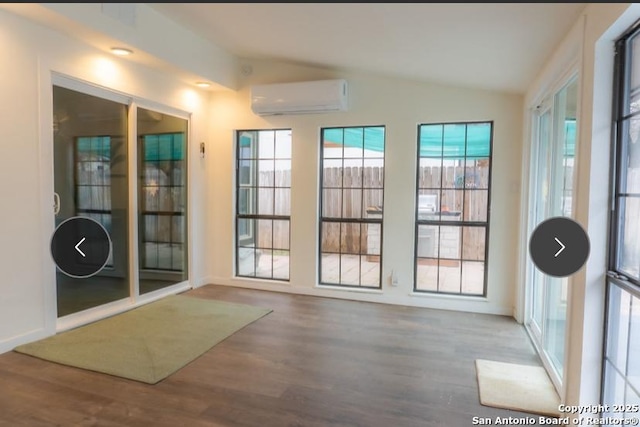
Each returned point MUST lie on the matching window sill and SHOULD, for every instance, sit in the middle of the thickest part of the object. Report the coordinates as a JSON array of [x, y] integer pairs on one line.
[[448, 296], [261, 280], [350, 289]]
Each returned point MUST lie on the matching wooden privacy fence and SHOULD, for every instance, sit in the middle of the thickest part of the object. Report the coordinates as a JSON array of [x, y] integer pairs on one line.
[[357, 192], [161, 192]]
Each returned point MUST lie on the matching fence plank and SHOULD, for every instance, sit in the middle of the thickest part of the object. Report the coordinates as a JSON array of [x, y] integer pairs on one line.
[[352, 202]]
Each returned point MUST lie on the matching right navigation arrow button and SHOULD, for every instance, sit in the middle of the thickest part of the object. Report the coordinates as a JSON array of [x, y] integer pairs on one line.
[[555, 237], [561, 247]]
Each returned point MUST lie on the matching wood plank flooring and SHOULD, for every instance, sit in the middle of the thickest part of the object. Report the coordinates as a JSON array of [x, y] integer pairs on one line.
[[311, 362]]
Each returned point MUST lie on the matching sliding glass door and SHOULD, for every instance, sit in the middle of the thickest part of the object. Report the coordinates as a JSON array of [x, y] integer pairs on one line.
[[101, 140], [540, 210], [552, 173], [91, 180], [162, 200]]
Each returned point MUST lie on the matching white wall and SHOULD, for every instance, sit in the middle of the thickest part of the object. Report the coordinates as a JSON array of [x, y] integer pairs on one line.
[[140, 27], [400, 105], [30, 53]]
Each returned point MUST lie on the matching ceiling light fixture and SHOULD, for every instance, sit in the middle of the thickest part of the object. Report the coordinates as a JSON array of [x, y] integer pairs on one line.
[[203, 84], [121, 51]]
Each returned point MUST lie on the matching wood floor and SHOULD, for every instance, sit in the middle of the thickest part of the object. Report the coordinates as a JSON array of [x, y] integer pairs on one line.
[[311, 362]]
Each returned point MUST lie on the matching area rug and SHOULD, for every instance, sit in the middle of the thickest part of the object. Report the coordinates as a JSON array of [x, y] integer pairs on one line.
[[517, 387], [148, 343]]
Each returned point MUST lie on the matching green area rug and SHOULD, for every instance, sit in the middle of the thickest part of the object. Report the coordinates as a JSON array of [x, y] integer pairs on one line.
[[148, 343]]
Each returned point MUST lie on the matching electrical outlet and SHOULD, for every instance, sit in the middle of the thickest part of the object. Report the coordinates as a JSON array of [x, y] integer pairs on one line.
[[393, 279]]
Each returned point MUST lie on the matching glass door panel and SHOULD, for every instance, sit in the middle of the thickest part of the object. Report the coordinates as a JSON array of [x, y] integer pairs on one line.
[[555, 300], [162, 200], [555, 318], [551, 196], [91, 180], [540, 201]]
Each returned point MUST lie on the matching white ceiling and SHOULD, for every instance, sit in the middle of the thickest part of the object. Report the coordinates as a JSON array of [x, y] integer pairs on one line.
[[499, 46]]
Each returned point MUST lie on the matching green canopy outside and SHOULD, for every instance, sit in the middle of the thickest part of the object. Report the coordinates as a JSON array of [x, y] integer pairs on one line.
[[448, 140], [570, 138], [245, 141], [472, 140], [456, 141], [94, 146], [371, 138], [168, 146]]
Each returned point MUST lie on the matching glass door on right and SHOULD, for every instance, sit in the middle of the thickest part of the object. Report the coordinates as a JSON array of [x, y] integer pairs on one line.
[[552, 175], [162, 200]]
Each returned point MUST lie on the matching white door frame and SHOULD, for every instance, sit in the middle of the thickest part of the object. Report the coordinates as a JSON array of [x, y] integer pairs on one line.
[[543, 104], [54, 324]]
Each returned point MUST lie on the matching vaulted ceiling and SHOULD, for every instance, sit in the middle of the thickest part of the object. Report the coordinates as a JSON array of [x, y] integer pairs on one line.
[[497, 46]]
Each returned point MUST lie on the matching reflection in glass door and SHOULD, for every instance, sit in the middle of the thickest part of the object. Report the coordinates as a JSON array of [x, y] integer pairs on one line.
[[551, 195], [162, 200], [91, 180], [94, 156]]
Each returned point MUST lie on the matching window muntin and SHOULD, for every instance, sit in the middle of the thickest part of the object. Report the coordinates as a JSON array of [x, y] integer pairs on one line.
[[351, 205], [263, 203], [452, 207]]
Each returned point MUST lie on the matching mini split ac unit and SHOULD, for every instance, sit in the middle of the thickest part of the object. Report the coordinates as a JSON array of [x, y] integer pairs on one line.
[[321, 96]]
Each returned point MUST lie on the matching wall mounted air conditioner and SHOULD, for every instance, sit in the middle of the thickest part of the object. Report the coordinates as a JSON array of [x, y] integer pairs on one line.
[[321, 96]]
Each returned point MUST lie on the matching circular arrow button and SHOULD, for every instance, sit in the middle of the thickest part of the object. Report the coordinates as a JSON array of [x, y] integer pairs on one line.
[[80, 247], [559, 246]]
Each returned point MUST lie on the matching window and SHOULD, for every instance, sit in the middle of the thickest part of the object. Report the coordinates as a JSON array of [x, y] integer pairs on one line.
[[263, 198], [351, 185], [162, 200], [621, 382], [452, 207], [93, 180]]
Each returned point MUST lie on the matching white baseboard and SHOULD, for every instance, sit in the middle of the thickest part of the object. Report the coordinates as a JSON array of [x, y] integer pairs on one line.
[[35, 335], [434, 301]]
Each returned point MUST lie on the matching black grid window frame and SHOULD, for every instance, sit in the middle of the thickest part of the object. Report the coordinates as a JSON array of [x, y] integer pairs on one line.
[[91, 212], [77, 162], [462, 223], [145, 212], [345, 221], [620, 149], [617, 278], [255, 217]]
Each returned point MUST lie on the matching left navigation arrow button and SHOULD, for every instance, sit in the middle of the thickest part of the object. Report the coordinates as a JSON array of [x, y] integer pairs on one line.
[[78, 249]]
